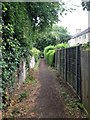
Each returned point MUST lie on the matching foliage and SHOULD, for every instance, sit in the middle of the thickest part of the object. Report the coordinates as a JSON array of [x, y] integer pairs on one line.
[[44, 14], [50, 57], [46, 49], [14, 42], [53, 36], [60, 33], [35, 53], [62, 45], [49, 52], [29, 79], [45, 41], [86, 46], [22, 24], [86, 5], [23, 95]]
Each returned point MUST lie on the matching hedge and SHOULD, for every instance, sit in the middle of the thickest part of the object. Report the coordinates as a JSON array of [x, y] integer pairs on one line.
[[46, 49], [62, 45], [50, 57]]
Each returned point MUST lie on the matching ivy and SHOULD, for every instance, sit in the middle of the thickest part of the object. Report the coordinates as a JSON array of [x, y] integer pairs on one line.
[[14, 43]]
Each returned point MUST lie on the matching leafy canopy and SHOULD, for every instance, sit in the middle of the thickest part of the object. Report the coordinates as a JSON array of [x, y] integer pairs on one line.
[[86, 5]]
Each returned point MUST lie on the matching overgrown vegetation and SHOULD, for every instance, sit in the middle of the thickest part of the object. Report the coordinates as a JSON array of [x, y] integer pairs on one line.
[[86, 46], [22, 24], [53, 36], [49, 52], [23, 95], [35, 53], [30, 80], [62, 45], [46, 49]]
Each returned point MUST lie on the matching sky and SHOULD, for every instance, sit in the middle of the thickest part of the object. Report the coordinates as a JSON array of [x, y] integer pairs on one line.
[[78, 19]]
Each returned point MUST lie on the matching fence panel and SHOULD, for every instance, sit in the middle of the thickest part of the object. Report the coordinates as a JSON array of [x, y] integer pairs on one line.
[[85, 70], [69, 67]]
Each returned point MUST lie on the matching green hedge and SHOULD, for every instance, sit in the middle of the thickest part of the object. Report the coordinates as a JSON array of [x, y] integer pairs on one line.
[[62, 45], [50, 57], [49, 52], [46, 49]]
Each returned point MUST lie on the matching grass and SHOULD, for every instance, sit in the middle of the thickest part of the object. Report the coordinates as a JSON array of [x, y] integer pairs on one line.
[[37, 65], [23, 95], [73, 106], [30, 80]]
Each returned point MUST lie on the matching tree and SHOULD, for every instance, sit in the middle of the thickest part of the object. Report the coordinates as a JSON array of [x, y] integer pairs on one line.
[[53, 36], [44, 41], [86, 5], [44, 14], [62, 35]]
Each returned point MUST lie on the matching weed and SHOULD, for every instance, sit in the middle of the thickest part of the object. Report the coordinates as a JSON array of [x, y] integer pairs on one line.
[[80, 105], [30, 80], [14, 111], [23, 95]]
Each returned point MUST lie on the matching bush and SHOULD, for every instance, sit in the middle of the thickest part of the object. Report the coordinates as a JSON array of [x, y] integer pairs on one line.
[[46, 49], [62, 45], [86, 46], [36, 53], [50, 57]]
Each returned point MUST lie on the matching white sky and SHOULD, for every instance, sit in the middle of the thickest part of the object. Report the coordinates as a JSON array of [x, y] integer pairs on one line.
[[78, 19]]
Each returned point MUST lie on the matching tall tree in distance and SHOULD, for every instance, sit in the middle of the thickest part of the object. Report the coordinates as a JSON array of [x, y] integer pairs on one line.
[[61, 33], [55, 35]]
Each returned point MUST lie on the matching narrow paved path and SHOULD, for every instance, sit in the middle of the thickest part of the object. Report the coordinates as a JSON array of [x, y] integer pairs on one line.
[[49, 103]]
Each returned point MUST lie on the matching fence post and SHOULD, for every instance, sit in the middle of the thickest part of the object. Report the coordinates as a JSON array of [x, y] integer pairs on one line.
[[76, 68], [66, 65], [22, 70], [56, 59]]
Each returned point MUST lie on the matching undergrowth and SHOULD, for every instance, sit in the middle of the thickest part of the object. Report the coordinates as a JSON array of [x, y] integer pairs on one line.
[[30, 80]]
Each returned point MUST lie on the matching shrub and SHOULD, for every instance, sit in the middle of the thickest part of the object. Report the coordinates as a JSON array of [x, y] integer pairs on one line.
[[46, 49], [86, 46], [36, 53], [50, 57], [62, 45]]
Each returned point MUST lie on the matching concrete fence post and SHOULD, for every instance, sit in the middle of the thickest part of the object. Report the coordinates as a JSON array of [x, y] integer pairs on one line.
[[22, 70]]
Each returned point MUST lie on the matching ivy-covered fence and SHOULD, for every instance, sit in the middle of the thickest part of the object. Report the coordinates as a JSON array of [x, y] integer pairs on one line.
[[73, 65]]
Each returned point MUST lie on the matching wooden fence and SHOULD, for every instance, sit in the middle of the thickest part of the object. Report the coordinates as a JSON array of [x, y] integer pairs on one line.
[[73, 65], [85, 70]]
